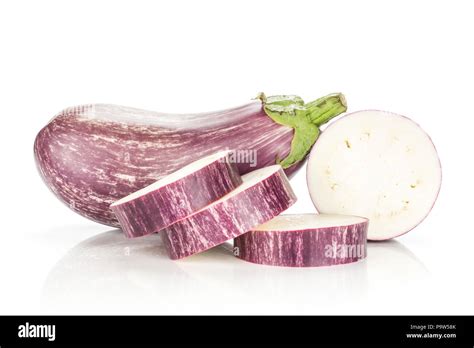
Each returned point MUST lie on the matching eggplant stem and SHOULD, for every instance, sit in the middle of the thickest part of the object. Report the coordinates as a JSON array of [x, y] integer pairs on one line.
[[305, 119], [324, 109]]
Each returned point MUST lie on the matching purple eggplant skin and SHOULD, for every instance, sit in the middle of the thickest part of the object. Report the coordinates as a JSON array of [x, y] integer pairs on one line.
[[304, 248], [235, 214], [163, 206], [92, 155]]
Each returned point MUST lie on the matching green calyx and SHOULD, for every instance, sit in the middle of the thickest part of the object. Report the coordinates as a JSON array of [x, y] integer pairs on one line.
[[305, 119]]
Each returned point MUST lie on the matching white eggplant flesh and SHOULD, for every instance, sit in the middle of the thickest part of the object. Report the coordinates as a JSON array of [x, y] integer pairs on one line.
[[375, 164]]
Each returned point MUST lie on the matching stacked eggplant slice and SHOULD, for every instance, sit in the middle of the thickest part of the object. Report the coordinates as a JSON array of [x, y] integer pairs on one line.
[[207, 203]]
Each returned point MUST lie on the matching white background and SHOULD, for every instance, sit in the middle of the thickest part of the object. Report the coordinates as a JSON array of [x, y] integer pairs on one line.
[[411, 57]]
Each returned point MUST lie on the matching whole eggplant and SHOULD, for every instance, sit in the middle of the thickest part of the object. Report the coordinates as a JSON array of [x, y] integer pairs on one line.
[[93, 155]]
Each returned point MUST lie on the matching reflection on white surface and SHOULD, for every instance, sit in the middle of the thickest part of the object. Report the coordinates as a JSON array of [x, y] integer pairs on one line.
[[110, 274]]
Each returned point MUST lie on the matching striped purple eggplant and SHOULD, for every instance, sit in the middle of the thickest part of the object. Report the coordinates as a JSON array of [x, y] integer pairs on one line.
[[264, 194], [307, 240], [93, 155], [177, 195]]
